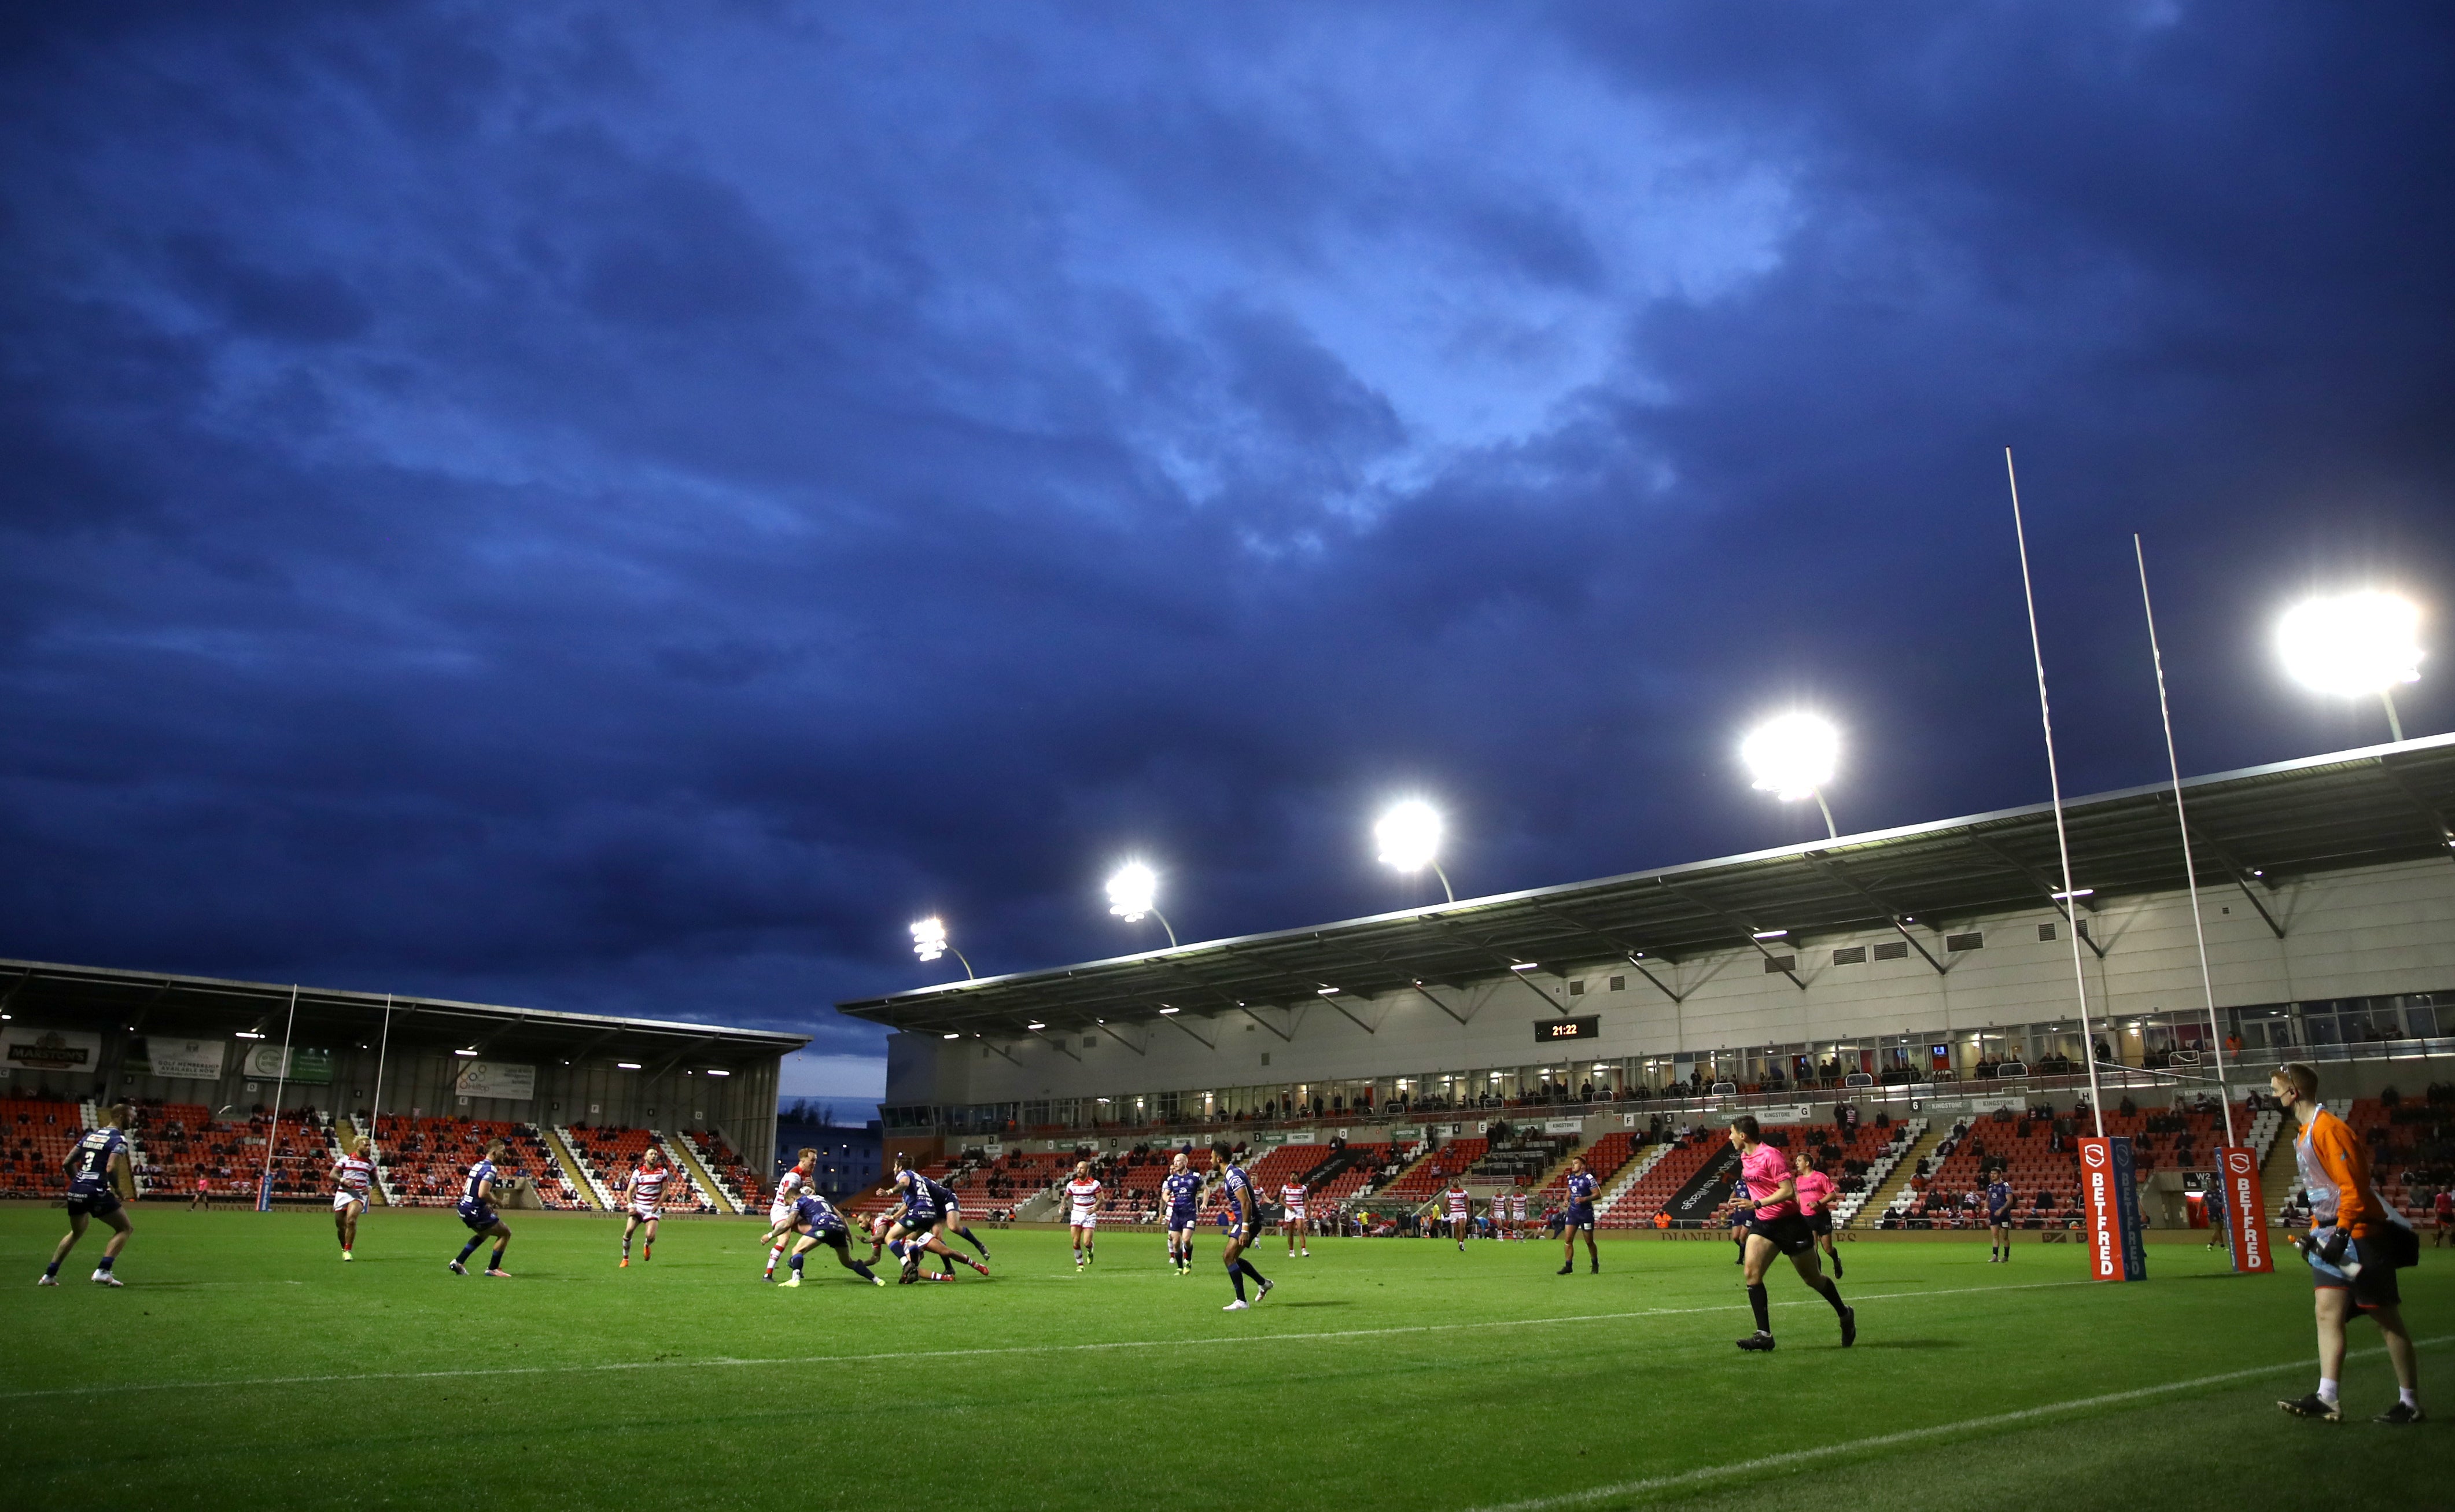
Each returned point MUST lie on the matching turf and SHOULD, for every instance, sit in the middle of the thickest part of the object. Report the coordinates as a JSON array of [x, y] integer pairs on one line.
[[244, 1365]]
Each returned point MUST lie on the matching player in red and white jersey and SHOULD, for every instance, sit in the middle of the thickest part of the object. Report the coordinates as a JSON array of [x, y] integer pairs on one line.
[[790, 1187], [1517, 1209], [352, 1175], [1292, 1223], [1081, 1212], [1461, 1212], [643, 1200]]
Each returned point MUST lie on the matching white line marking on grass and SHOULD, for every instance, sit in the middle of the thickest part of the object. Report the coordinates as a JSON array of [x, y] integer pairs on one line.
[[1886, 1441], [729, 1363]]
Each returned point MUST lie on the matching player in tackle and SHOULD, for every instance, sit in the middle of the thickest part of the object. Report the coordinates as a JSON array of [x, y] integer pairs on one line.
[[1776, 1228], [790, 1187], [816, 1221]]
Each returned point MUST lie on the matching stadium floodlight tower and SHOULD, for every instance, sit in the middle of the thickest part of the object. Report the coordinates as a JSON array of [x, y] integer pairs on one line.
[[929, 941], [1133, 891], [1792, 757], [1410, 836], [2353, 645]]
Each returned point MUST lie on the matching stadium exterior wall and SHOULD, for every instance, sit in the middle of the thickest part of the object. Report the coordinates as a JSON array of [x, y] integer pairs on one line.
[[2353, 933]]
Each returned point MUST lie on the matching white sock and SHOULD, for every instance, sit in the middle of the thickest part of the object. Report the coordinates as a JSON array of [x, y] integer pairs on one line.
[[2411, 1397], [2327, 1390]]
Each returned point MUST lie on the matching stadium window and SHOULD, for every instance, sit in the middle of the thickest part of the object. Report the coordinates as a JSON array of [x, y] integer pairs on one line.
[[2045, 931], [1774, 963], [1893, 950], [1091, 1041], [1619, 984], [1850, 956], [1265, 1058], [1974, 939], [1577, 989]]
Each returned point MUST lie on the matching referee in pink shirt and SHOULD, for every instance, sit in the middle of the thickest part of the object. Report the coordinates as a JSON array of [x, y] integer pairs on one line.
[[1777, 1228], [1816, 1204]]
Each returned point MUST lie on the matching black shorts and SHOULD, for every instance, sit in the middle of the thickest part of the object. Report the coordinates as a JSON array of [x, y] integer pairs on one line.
[[833, 1238], [1819, 1221], [2374, 1287], [93, 1204], [2002, 1220], [1788, 1233]]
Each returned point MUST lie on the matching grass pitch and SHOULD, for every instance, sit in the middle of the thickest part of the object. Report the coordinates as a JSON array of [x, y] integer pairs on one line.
[[244, 1364]]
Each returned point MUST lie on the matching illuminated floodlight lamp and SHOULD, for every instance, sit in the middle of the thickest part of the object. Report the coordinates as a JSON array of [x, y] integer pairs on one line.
[[1035, 1025], [626, 1066], [950, 1037], [1409, 834], [929, 942], [714, 1072], [2353, 645], [469, 1051], [1792, 757], [1133, 891]]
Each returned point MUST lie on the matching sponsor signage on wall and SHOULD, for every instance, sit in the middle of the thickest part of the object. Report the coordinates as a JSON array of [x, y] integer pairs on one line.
[[1551, 1031], [2239, 1169], [306, 1067], [2110, 1197], [1564, 1125], [196, 1060], [51, 1049], [496, 1078]]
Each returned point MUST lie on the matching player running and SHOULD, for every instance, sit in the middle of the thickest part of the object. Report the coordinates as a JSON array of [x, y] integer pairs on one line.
[[643, 1202], [97, 1167], [1578, 1219], [1461, 1212], [790, 1187], [1292, 1219], [1182, 1189], [476, 1210], [1082, 1211], [816, 1221], [1816, 1204], [354, 1175], [1778, 1229], [1999, 1220], [1236, 1191]]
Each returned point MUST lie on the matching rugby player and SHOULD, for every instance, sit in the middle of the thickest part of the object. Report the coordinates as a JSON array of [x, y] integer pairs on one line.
[[1291, 1221], [1778, 1229], [1517, 1209], [1578, 1217], [790, 1187], [2355, 1244], [1461, 1212], [1082, 1211], [2444, 1208], [643, 1202], [927, 1207], [476, 1210], [1182, 1188], [96, 1166], [1236, 1190], [1816, 1204], [816, 1221], [1999, 1220], [352, 1175]]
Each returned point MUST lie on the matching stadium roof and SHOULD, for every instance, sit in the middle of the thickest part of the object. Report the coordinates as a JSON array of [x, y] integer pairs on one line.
[[209, 1007], [2253, 830]]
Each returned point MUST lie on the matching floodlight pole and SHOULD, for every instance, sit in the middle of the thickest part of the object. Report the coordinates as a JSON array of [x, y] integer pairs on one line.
[[2190, 868], [2394, 725], [2055, 785], [1831, 829], [1164, 924], [1447, 890], [969, 975]]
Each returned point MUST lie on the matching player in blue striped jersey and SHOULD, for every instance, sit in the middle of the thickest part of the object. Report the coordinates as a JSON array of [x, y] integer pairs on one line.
[[100, 1156], [1578, 1217], [1182, 1188], [1236, 1191], [477, 1209], [815, 1221]]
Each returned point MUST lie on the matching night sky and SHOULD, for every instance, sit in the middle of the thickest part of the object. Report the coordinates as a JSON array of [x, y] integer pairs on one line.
[[622, 508]]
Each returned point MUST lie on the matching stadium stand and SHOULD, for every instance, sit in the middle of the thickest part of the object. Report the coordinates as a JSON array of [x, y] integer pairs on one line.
[[36, 1136], [725, 1168], [2041, 1160], [423, 1161], [1428, 1176], [1605, 1159], [609, 1155], [1680, 1161]]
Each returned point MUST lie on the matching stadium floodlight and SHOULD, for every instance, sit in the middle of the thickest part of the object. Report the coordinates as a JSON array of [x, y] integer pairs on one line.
[[626, 1066], [1792, 757], [1409, 834], [929, 942], [2352, 645], [1133, 891], [714, 1072]]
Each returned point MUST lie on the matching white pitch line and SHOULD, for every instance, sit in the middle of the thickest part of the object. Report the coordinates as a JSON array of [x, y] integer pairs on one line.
[[1886, 1441], [724, 1361]]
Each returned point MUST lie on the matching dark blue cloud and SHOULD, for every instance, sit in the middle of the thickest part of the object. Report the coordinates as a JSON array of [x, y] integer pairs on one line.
[[624, 510]]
